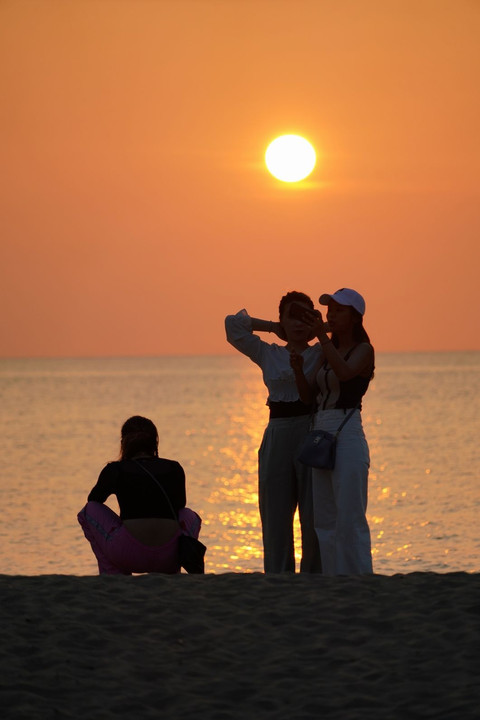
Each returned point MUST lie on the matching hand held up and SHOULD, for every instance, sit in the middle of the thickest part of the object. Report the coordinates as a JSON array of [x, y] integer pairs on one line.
[[296, 362]]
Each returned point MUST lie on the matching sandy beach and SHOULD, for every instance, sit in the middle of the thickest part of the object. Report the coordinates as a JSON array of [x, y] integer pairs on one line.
[[240, 646]]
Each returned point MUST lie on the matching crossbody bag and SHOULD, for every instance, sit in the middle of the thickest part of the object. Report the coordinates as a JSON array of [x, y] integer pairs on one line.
[[320, 447]]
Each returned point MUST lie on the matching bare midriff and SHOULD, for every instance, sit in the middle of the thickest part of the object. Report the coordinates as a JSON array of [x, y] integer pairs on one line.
[[152, 531]]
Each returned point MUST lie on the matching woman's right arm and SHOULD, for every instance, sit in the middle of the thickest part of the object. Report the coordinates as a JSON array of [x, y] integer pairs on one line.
[[269, 326], [240, 330], [105, 485]]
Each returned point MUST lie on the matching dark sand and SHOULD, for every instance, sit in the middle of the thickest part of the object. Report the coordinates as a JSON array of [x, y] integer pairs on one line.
[[240, 646]]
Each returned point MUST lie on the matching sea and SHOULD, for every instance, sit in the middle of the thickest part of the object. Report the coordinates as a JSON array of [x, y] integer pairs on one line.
[[60, 423]]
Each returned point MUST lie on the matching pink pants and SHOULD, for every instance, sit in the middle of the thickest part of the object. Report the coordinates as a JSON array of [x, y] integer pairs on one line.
[[119, 553]]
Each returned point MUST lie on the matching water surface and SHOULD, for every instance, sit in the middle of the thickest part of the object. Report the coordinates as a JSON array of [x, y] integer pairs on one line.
[[60, 422]]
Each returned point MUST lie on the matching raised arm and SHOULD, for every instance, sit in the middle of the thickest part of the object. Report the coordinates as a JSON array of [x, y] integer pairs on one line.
[[240, 329], [269, 326], [359, 363]]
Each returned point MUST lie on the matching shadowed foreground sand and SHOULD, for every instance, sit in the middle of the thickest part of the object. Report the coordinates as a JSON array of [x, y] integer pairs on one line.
[[240, 646]]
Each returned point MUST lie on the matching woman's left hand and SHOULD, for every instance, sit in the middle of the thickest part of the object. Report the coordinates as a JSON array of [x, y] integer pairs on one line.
[[296, 361]]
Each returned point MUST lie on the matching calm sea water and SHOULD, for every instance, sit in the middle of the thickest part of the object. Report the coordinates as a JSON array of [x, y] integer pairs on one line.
[[60, 422]]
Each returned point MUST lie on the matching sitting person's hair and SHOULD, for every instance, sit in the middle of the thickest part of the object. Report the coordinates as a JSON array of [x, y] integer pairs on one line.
[[139, 435]]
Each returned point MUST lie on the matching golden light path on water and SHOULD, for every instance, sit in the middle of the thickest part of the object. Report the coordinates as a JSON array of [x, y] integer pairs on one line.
[[238, 540]]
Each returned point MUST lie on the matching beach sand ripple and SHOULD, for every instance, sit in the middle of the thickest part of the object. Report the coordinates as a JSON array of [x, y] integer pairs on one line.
[[240, 646]]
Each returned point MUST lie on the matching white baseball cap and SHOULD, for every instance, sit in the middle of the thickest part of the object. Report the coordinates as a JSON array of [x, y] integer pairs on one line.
[[345, 296]]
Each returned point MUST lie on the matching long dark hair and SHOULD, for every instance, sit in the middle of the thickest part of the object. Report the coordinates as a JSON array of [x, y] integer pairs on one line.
[[294, 296], [139, 435], [359, 333]]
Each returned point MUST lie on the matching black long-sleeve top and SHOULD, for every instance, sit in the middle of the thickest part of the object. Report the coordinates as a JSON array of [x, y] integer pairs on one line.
[[137, 493]]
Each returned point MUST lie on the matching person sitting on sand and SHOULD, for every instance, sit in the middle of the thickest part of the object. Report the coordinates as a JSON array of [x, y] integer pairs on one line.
[[337, 384], [151, 496]]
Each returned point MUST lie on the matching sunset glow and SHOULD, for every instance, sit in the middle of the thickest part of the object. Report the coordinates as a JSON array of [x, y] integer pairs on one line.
[[134, 190]]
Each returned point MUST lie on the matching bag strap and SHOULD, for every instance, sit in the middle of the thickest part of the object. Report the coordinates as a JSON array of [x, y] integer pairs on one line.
[[344, 422], [347, 417], [157, 481]]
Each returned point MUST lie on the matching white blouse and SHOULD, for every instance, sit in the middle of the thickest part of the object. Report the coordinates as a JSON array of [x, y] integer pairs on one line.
[[273, 359]]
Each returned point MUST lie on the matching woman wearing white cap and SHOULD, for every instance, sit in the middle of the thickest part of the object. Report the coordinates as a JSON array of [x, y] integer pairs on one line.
[[338, 383]]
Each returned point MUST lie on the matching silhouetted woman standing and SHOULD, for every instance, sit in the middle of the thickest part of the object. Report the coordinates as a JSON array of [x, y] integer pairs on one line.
[[338, 384], [283, 482]]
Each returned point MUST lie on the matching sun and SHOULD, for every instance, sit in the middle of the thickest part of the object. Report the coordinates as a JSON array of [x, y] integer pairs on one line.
[[290, 158]]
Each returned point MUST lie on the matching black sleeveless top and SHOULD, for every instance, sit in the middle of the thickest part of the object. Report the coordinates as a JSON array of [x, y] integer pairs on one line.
[[138, 494], [340, 394]]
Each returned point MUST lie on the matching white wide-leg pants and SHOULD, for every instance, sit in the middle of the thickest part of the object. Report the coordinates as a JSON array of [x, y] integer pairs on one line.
[[340, 499]]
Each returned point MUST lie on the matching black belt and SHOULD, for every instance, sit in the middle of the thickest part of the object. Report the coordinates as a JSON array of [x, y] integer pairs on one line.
[[288, 409]]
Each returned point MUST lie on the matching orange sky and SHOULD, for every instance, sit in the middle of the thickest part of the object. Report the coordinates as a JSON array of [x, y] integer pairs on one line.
[[136, 210]]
